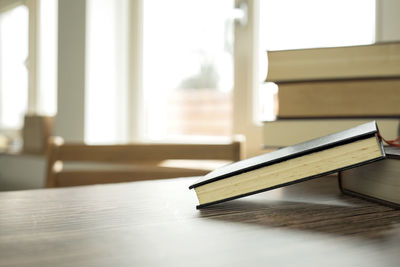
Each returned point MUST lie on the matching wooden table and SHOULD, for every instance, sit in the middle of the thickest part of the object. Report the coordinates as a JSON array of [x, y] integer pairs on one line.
[[155, 223]]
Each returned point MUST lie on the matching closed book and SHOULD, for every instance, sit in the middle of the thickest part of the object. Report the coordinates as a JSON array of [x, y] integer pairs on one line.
[[311, 159], [340, 98], [288, 132], [378, 181], [364, 61]]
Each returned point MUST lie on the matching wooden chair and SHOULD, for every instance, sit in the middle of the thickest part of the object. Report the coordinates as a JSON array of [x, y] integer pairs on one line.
[[141, 161]]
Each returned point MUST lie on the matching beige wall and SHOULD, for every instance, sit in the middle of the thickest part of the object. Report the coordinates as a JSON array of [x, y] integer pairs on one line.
[[70, 119], [387, 20], [6, 4]]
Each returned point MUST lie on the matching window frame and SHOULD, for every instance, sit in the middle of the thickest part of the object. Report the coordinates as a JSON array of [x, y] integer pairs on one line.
[[246, 81], [246, 78], [5, 6], [33, 104]]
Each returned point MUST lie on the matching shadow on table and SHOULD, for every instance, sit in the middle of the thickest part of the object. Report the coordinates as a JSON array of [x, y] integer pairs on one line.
[[310, 207]]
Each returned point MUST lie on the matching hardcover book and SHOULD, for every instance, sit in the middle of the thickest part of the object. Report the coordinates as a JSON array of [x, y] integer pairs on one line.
[[318, 157], [287, 132], [378, 181], [351, 62], [339, 98]]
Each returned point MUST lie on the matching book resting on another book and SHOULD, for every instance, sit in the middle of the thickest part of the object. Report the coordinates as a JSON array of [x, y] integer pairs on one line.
[[339, 98], [315, 158], [381, 60], [378, 181]]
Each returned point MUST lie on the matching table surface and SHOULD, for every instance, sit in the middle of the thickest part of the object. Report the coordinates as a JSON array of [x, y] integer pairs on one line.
[[155, 223]]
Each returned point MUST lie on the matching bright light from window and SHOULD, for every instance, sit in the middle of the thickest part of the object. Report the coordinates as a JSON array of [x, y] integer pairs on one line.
[[288, 24], [187, 68], [13, 71], [105, 108], [48, 58]]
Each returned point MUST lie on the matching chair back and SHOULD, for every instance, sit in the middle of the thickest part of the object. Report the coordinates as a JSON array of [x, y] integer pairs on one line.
[[144, 161]]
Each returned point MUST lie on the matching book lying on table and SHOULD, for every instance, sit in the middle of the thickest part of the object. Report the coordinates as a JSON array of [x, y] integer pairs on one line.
[[379, 181], [325, 155]]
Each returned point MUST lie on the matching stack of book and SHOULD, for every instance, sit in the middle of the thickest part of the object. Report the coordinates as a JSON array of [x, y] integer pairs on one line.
[[324, 90]]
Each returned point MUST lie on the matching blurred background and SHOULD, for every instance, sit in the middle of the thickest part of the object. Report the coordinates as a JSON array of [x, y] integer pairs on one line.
[[119, 71]]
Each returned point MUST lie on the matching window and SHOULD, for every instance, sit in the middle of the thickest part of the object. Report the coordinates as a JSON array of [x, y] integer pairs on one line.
[[27, 62], [289, 24], [13, 67], [106, 95], [47, 58], [187, 68]]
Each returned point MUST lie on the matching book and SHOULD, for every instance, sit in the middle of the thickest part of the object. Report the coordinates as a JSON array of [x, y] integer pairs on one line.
[[318, 157], [340, 98], [364, 61], [378, 181], [287, 132]]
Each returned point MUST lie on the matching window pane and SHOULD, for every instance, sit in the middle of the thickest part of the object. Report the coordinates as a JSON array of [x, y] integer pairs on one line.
[[290, 24], [105, 87], [287, 24], [48, 57], [187, 68], [13, 72]]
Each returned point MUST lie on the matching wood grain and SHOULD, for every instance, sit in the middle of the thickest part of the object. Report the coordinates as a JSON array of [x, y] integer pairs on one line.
[[155, 223]]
